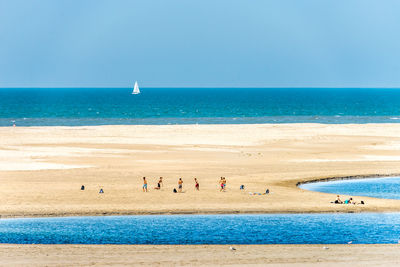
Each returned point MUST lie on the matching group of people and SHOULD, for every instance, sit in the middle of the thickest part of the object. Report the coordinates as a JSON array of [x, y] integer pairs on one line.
[[347, 201], [180, 185]]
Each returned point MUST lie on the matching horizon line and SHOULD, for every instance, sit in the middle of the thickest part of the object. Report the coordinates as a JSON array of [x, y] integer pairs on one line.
[[198, 87]]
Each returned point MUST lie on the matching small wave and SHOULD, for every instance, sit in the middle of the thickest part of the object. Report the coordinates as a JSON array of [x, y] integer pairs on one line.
[[394, 118]]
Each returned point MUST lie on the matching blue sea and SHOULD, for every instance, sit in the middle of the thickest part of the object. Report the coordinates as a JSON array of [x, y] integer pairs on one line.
[[108, 106]]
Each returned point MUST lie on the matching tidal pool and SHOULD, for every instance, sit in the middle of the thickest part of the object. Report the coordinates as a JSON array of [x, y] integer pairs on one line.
[[388, 187]]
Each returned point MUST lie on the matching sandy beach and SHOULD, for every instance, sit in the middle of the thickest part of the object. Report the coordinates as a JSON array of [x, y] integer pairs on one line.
[[199, 255], [43, 168]]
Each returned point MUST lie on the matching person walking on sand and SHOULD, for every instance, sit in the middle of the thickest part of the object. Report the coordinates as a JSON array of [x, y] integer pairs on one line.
[[196, 186], [144, 184], [180, 182]]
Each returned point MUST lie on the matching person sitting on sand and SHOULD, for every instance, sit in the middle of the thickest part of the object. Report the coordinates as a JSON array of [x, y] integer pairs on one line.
[[338, 200], [159, 184], [349, 201], [180, 182], [196, 186], [144, 184]]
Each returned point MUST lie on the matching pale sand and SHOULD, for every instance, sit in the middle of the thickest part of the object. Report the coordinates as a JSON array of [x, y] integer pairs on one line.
[[258, 156], [199, 255]]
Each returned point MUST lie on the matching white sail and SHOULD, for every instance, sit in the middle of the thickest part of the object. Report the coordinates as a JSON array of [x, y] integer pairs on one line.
[[136, 89]]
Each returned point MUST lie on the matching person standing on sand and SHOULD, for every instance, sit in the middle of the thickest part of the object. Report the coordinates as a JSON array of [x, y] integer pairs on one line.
[[196, 186], [144, 184], [180, 182], [221, 182]]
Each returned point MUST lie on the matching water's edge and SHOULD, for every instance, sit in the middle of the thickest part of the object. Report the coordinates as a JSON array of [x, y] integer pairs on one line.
[[349, 177], [156, 213]]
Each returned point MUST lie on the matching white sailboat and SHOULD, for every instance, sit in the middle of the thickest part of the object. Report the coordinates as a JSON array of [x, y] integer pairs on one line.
[[136, 89]]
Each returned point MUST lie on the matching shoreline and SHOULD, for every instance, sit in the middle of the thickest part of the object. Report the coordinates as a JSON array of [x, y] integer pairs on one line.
[[230, 123], [350, 177], [186, 213]]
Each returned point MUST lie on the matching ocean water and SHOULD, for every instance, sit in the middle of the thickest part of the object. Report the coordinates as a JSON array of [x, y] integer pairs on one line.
[[365, 228], [102, 106], [388, 188]]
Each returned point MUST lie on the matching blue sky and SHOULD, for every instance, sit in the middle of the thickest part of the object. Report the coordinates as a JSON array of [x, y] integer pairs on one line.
[[194, 43]]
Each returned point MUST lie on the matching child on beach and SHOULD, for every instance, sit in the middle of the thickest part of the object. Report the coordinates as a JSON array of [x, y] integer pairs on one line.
[[180, 182], [196, 186], [144, 184]]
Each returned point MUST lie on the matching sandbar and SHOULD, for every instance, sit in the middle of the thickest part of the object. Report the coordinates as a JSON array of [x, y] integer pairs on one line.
[[42, 168]]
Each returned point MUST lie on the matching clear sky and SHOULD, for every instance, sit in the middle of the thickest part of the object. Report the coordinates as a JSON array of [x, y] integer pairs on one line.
[[194, 43]]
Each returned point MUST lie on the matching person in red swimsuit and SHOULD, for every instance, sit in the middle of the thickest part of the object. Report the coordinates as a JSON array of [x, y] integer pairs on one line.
[[221, 181]]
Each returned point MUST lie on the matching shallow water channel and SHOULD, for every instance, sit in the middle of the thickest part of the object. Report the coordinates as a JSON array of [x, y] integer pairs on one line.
[[206, 229]]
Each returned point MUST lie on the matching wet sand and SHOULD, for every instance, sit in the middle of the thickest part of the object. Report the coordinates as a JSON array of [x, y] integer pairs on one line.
[[199, 255], [43, 168]]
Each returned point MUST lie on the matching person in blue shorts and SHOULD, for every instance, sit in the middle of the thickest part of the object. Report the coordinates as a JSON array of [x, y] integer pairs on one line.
[[144, 184]]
